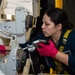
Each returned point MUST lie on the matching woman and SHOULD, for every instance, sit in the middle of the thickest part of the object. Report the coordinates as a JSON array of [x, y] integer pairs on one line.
[[55, 25]]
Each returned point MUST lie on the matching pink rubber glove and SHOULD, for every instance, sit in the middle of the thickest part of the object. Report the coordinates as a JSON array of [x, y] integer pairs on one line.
[[47, 50], [2, 49]]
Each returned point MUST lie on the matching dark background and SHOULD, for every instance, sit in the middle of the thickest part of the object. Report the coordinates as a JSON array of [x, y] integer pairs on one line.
[[68, 6]]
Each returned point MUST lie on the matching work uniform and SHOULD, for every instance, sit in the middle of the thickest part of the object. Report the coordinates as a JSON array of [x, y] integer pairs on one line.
[[69, 48]]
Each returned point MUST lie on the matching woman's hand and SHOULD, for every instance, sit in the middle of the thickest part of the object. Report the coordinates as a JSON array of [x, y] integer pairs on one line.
[[47, 50]]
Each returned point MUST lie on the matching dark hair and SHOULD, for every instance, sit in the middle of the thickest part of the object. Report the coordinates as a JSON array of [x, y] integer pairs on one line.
[[57, 16]]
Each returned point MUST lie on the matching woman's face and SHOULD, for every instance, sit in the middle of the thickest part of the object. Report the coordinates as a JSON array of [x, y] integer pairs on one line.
[[48, 27]]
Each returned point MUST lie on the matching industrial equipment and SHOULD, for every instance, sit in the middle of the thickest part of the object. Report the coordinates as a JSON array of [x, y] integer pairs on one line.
[[15, 30], [33, 59]]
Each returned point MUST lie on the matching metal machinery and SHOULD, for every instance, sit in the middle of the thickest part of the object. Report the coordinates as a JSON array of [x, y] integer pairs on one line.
[[33, 60], [15, 30]]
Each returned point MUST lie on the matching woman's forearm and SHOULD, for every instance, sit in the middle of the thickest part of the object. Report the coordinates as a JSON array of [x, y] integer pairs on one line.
[[62, 58]]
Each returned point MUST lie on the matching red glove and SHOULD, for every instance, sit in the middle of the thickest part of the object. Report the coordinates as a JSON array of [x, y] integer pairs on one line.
[[2, 49], [47, 50]]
